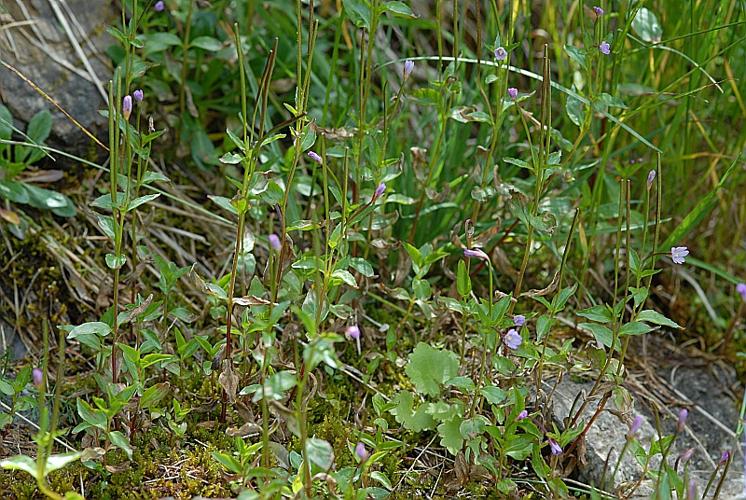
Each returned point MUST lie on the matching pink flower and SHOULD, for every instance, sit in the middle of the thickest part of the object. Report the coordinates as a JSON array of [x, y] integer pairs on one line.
[[38, 376], [678, 254], [353, 332], [555, 447], [512, 339], [127, 107], [681, 421], [477, 253], [314, 156], [361, 452], [634, 427], [408, 68], [274, 242]]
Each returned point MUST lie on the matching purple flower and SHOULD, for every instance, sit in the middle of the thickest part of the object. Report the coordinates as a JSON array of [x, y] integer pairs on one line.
[[512, 339], [139, 95], [741, 289], [605, 48], [408, 68], [379, 190], [501, 54], [274, 242], [513, 92], [519, 319], [555, 447], [634, 427], [353, 332], [678, 254], [598, 10], [361, 452], [476, 253], [724, 457], [651, 178], [681, 421], [127, 107], [522, 415], [38, 376], [159, 6], [691, 492], [314, 156], [686, 455]]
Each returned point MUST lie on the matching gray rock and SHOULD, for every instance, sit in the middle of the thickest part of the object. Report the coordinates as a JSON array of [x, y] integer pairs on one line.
[[712, 419], [40, 47]]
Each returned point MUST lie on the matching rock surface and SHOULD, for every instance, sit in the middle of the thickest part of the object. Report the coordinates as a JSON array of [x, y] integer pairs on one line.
[[713, 418], [38, 43]]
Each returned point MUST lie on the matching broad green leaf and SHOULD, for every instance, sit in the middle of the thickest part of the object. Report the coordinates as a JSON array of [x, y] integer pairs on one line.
[[227, 461], [600, 332], [450, 435], [142, 200], [20, 462], [404, 413], [430, 368], [463, 281], [207, 43], [646, 25], [597, 313], [120, 441], [634, 328], [320, 453], [94, 327], [650, 316], [399, 9], [96, 418], [39, 127]]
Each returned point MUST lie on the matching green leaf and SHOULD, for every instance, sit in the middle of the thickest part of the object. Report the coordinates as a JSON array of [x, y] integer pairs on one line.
[[634, 328], [646, 25], [320, 453], [115, 261], [56, 462], [142, 200], [227, 461], [96, 418], [345, 276], [429, 368], [207, 43], [120, 441], [399, 9], [39, 127], [450, 435], [600, 332], [94, 327], [20, 462], [362, 266], [543, 325], [597, 313], [404, 413], [650, 316], [6, 123], [153, 394], [358, 11], [493, 395], [463, 280]]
